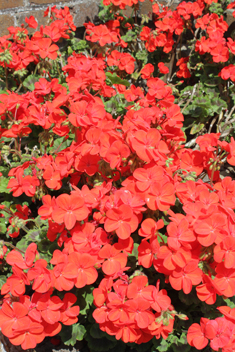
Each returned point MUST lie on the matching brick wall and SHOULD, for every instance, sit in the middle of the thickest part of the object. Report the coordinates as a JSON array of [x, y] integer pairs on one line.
[[13, 12]]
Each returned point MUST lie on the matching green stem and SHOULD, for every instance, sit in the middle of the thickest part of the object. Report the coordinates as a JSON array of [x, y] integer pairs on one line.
[[212, 176], [6, 74], [11, 245], [16, 152]]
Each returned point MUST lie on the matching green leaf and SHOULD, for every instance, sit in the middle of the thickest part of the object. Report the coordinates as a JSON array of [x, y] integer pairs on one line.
[[203, 102], [30, 81], [180, 344], [32, 236], [104, 12], [78, 332], [129, 37], [127, 20], [143, 347], [135, 251], [89, 300], [189, 299], [115, 79], [79, 45], [135, 75], [163, 347], [3, 184], [196, 111], [173, 343], [216, 8], [116, 105], [101, 344], [187, 91], [96, 333], [3, 228], [59, 144], [164, 237], [197, 128], [212, 92], [84, 299], [230, 302], [217, 105], [213, 82], [142, 56], [21, 73], [71, 334], [2, 87], [3, 280]]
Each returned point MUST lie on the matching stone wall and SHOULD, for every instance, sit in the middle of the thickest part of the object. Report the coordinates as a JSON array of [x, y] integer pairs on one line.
[[13, 12]]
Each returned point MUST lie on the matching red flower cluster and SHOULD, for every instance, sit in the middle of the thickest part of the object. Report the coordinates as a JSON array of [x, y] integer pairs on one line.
[[122, 3], [133, 310], [220, 332], [24, 50], [29, 320]]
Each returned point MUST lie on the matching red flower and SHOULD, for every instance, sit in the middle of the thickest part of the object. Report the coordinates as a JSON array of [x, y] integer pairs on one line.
[[49, 307], [15, 283], [15, 258], [145, 177], [147, 251], [71, 208], [87, 163], [161, 301], [139, 288], [161, 196], [180, 235], [144, 143], [26, 184], [138, 309], [228, 72], [41, 276], [28, 334], [86, 273], [115, 260], [101, 293], [68, 313], [46, 49], [225, 252], [63, 276], [225, 280], [31, 22], [210, 230], [49, 204], [102, 35], [207, 291], [162, 68], [10, 317], [122, 220], [184, 279], [147, 71], [52, 178], [192, 161], [116, 153], [196, 334], [219, 331]]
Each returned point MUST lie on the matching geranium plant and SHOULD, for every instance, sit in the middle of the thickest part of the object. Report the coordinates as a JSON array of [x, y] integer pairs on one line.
[[117, 213]]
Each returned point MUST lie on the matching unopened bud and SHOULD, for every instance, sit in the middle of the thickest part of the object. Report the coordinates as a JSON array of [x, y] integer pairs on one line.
[[165, 322], [182, 316]]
